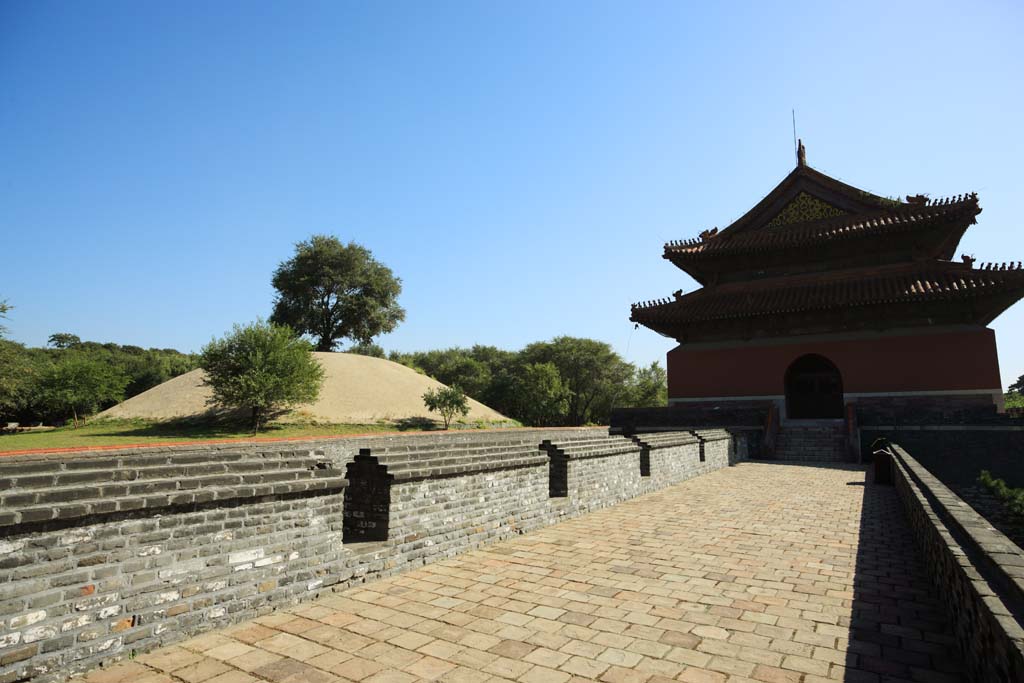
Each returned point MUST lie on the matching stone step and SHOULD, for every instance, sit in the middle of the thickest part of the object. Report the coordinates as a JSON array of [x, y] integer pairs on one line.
[[805, 443]]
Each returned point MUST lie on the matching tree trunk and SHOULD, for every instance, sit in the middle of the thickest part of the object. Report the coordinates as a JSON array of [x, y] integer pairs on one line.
[[255, 419], [74, 416]]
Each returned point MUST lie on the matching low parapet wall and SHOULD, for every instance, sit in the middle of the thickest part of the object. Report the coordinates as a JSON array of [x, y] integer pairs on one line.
[[956, 454], [107, 554], [978, 571]]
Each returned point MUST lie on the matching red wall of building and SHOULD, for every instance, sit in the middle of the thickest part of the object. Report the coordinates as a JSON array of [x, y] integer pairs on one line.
[[960, 360]]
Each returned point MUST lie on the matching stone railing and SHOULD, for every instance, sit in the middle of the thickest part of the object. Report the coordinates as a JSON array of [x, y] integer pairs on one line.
[[107, 554], [976, 569]]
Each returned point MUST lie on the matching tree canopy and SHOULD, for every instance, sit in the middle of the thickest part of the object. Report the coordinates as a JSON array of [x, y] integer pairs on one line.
[[332, 291], [565, 381], [22, 370], [78, 384], [63, 340], [263, 368], [363, 349]]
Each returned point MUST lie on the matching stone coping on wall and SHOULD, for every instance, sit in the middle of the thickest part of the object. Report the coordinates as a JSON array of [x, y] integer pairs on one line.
[[442, 462], [665, 439], [589, 446], [971, 553], [50, 492]]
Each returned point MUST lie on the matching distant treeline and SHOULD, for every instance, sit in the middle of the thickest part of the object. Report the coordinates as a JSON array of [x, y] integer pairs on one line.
[[563, 382], [72, 378]]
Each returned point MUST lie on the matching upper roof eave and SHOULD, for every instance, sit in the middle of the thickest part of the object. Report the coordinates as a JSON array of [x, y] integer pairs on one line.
[[805, 175], [963, 208]]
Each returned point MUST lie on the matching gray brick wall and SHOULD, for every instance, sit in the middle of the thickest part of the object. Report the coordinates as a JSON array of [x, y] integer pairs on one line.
[[976, 569], [106, 554]]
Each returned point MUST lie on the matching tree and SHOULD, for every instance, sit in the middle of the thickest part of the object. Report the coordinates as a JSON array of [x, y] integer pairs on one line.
[[364, 349], [455, 366], [19, 377], [448, 401], [261, 367], [537, 396], [4, 310], [649, 388], [63, 340], [332, 291], [1018, 386], [595, 376], [79, 384]]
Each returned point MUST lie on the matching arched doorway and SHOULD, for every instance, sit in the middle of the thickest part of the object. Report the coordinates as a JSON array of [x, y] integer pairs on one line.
[[814, 389]]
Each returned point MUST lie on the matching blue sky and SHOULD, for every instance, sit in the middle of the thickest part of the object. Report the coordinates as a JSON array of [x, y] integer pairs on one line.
[[518, 165]]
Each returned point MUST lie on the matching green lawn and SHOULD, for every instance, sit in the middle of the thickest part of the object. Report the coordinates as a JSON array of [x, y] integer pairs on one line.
[[127, 433]]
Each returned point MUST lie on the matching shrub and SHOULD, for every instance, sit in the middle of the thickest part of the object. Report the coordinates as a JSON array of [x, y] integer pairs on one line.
[[263, 368], [1012, 499], [448, 401]]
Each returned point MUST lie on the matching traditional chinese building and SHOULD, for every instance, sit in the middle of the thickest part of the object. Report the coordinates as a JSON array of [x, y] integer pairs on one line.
[[824, 295]]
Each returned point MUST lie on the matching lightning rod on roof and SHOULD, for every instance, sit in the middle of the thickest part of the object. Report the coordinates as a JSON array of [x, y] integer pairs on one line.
[[795, 148]]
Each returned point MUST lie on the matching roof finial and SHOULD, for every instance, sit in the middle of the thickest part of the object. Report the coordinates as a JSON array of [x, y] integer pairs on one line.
[[801, 153]]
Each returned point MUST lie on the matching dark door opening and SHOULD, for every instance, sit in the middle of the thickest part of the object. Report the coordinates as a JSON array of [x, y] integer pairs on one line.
[[814, 389]]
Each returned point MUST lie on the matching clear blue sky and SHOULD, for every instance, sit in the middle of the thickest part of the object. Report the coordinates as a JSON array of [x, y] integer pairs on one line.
[[518, 165]]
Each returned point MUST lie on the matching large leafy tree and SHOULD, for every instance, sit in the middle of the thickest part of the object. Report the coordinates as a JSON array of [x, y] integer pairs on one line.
[[594, 375], [263, 368], [536, 395], [1018, 386], [79, 384], [332, 291]]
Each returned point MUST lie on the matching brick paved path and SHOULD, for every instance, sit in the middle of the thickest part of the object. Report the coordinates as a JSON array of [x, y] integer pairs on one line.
[[762, 572]]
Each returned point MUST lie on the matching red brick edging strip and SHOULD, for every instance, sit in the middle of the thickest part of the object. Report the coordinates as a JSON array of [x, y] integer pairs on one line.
[[266, 439]]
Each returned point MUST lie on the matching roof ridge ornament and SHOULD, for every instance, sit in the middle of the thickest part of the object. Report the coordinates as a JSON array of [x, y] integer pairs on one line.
[[801, 153]]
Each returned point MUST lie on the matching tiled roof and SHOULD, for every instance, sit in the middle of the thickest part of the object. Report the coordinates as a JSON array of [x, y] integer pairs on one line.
[[906, 283], [904, 217]]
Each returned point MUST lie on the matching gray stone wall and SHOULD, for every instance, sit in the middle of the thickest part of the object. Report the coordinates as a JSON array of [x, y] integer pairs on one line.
[[956, 454], [675, 456], [107, 554], [976, 569]]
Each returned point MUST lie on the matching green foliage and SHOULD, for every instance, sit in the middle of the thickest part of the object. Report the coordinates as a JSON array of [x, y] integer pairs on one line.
[[1014, 399], [261, 367], [5, 308], [20, 372], [332, 291], [447, 401], [366, 349], [1017, 386], [79, 384], [471, 369], [649, 388], [537, 395], [566, 381], [595, 376], [63, 340], [1012, 499], [22, 369]]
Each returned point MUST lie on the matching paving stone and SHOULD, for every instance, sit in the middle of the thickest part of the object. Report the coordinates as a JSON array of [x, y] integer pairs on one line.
[[763, 572]]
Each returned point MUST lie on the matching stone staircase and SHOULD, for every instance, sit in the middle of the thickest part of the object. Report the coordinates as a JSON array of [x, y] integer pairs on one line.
[[812, 441]]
